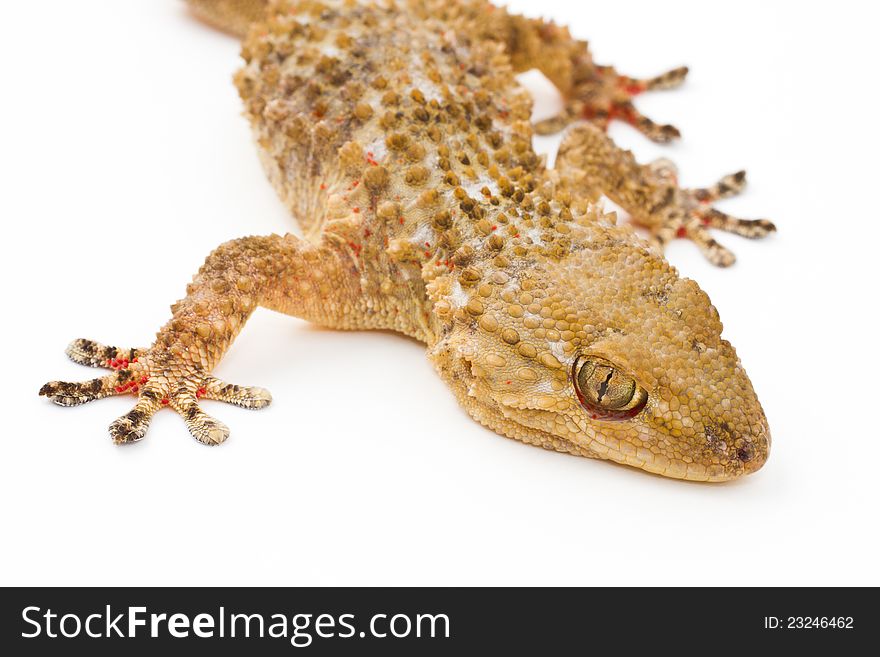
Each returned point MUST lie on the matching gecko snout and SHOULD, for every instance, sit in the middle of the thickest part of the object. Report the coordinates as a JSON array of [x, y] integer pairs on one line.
[[744, 449]]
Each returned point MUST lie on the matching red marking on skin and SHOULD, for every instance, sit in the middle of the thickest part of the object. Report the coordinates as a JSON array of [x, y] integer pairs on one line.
[[356, 210], [630, 86], [494, 227], [131, 385], [356, 183], [323, 186], [507, 382], [681, 232], [623, 113], [201, 392], [165, 401], [401, 221]]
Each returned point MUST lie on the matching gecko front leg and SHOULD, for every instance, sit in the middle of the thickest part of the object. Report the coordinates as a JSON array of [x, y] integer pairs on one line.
[[281, 273], [590, 164]]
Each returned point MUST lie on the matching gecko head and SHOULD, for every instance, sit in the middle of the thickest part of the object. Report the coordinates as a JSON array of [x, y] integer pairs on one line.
[[608, 353]]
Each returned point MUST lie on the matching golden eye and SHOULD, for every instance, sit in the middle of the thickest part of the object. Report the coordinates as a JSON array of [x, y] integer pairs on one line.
[[605, 391]]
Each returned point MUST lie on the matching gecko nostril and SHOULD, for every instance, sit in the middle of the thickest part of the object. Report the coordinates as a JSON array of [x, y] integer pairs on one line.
[[745, 453]]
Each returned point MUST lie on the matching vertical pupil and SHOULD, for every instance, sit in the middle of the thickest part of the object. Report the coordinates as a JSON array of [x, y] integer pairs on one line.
[[603, 385]]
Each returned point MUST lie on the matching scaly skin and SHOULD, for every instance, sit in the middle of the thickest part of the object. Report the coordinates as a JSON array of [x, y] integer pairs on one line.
[[401, 142]]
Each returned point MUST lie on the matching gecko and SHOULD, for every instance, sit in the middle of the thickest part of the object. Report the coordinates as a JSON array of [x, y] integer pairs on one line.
[[397, 135]]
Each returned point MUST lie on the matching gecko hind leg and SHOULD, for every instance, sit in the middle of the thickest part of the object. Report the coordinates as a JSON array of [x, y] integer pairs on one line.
[[603, 95], [131, 375], [590, 92]]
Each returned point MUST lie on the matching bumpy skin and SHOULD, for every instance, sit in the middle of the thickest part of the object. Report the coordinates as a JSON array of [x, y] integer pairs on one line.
[[400, 140]]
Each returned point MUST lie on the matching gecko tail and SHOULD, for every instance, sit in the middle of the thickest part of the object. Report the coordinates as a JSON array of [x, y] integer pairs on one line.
[[233, 16]]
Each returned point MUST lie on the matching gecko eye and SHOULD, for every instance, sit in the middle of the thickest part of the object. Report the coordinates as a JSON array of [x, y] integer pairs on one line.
[[605, 391]]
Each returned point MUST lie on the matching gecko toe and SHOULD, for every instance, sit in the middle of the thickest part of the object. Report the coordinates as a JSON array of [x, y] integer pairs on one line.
[[251, 397], [204, 428], [157, 380], [689, 214], [65, 393], [132, 426], [94, 354]]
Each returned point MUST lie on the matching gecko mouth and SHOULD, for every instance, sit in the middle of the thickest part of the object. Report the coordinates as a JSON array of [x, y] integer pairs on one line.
[[520, 418], [745, 459]]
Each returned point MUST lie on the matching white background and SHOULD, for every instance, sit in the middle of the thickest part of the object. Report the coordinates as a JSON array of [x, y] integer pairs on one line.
[[125, 161]]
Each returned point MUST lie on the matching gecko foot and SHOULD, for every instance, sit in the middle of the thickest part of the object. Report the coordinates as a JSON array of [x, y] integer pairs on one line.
[[606, 95], [157, 378], [687, 213]]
